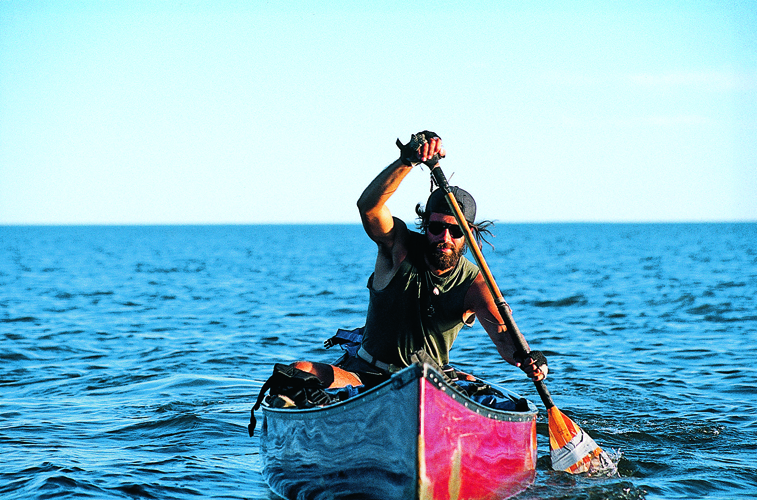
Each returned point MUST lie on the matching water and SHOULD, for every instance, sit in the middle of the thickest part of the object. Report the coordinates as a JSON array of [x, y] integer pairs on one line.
[[130, 356]]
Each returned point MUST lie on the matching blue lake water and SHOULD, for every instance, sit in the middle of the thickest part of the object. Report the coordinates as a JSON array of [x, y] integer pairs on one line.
[[130, 356]]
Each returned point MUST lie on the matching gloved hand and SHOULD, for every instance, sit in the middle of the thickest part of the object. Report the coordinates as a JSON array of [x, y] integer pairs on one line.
[[423, 147], [533, 363]]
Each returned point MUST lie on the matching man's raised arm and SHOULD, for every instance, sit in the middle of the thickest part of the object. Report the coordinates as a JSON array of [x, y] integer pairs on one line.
[[375, 215]]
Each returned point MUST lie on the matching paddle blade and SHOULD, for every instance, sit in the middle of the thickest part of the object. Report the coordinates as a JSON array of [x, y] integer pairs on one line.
[[571, 449]]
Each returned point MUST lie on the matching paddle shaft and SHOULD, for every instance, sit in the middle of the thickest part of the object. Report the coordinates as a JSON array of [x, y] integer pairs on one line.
[[504, 310]]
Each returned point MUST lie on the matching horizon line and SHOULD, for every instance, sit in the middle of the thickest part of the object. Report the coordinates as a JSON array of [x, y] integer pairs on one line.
[[167, 224]]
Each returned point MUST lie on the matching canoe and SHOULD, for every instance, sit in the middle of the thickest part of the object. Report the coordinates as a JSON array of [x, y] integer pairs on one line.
[[412, 437]]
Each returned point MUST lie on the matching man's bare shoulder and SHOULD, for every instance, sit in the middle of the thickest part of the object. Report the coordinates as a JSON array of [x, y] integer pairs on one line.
[[478, 295]]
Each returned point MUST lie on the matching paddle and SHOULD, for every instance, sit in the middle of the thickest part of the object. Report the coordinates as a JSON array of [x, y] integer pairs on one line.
[[571, 449]]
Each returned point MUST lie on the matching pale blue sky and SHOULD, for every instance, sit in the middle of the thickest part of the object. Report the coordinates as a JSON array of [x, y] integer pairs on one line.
[[248, 112]]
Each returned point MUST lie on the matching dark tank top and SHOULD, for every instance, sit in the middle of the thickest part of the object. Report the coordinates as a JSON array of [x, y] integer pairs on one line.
[[417, 310]]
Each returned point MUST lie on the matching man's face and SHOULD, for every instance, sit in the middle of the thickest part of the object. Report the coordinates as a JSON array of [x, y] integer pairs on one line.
[[444, 248]]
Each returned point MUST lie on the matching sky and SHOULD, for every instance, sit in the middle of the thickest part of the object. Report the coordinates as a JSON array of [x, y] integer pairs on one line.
[[216, 112]]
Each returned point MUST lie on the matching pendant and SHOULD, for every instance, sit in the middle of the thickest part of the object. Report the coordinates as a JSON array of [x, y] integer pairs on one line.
[[430, 311]]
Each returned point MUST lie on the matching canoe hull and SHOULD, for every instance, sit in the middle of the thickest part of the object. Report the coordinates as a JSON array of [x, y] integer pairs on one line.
[[364, 449], [461, 450], [412, 437]]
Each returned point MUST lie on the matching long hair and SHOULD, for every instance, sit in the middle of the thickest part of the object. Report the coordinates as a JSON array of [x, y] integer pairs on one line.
[[480, 229]]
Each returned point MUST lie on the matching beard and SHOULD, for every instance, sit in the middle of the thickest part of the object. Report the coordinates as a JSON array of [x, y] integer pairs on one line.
[[441, 260]]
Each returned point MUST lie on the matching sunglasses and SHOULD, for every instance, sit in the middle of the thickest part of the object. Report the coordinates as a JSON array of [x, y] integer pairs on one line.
[[437, 228]]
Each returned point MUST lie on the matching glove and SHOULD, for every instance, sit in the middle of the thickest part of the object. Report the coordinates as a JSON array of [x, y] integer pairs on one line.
[[540, 360], [409, 151]]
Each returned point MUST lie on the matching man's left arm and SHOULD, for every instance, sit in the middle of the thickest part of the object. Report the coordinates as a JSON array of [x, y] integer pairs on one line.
[[480, 301]]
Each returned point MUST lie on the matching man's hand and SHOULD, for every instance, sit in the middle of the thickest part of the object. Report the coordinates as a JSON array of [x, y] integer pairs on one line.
[[533, 364], [431, 152], [423, 147]]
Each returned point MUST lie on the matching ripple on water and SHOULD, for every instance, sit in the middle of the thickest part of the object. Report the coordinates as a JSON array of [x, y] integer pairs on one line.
[[131, 356]]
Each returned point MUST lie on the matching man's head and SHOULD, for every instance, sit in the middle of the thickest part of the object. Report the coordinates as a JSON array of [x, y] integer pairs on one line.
[[445, 237], [437, 202]]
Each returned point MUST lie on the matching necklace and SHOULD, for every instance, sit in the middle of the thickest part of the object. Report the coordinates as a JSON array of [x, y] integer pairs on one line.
[[434, 292]]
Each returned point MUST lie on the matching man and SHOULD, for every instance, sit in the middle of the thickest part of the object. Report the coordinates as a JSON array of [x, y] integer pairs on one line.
[[423, 290]]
